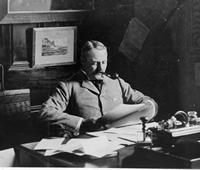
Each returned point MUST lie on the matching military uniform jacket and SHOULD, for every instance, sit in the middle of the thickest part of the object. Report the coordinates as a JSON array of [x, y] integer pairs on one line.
[[79, 98]]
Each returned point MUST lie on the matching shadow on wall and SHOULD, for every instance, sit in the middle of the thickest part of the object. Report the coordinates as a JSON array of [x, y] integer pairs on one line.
[[149, 60]]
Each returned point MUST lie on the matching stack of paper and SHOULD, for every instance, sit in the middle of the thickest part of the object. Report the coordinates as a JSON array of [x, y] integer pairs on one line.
[[96, 146]]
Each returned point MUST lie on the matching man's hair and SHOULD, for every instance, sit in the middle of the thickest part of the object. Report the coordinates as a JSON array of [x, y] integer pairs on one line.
[[92, 44]]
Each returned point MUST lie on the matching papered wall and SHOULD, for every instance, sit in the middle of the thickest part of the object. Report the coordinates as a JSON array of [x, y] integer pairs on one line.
[[162, 58]]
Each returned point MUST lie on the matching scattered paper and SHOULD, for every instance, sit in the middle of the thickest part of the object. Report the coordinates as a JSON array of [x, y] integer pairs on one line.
[[105, 143], [49, 144], [96, 146], [97, 133], [131, 133], [51, 152], [128, 130], [125, 130], [134, 138]]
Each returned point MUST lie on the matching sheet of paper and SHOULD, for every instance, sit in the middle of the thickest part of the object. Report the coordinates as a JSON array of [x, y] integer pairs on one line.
[[49, 144], [132, 115], [98, 133], [126, 135], [121, 111], [98, 147], [72, 146], [129, 130], [134, 138], [121, 141], [51, 152], [132, 130]]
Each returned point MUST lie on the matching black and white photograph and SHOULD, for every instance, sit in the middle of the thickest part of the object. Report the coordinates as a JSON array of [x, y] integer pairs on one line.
[[112, 84]]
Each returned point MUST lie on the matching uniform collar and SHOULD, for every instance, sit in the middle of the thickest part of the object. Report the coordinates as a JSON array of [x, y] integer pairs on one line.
[[86, 83], [81, 77], [90, 86]]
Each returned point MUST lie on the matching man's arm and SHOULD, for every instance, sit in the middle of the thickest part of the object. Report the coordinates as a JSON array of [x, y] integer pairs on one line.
[[53, 114], [133, 96], [56, 121], [136, 105]]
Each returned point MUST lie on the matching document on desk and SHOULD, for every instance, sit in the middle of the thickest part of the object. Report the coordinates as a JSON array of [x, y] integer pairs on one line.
[[45, 144], [131, 133], [96, 146], [116, 136]]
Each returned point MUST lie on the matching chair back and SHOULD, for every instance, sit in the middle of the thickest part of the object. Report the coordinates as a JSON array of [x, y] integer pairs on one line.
[[14, 104]]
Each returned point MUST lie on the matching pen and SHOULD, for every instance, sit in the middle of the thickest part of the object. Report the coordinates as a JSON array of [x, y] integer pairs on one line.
[[65, 140]]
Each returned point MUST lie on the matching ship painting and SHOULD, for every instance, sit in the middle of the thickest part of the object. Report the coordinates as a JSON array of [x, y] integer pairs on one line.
[[51, 47]]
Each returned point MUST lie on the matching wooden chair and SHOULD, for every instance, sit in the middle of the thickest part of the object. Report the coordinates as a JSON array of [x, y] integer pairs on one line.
[[14, 106], [15, 115]]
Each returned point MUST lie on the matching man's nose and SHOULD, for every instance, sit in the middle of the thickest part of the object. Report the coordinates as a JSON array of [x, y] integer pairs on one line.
[[99, 66]]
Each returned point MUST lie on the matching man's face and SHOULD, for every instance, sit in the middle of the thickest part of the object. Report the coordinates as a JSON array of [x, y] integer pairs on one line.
[[95, 64]]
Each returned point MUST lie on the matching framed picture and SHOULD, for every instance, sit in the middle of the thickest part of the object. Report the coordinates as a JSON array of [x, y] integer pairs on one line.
[[54, 46]]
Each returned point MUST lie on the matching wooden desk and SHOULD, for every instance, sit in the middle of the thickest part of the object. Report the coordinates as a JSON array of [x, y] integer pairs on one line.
[[127, 157], [27, 157]]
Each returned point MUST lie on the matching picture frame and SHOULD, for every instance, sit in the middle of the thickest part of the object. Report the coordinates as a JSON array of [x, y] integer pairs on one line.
[[39, 6], [29, 11], [54, 46]]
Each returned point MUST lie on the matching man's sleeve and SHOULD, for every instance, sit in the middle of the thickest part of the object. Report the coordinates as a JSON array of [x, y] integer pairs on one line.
[[53, 112], [133, 96]]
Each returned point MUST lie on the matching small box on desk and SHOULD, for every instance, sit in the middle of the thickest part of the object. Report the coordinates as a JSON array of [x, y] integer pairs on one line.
[[185, 154], [168, 137], [171, 148]]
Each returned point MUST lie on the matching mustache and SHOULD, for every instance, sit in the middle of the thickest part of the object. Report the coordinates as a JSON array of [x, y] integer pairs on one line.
[[101, 72]]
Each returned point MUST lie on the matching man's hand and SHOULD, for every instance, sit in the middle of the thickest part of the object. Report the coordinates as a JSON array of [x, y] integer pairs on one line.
[[150, 107], [147, 105], [101, 122], [90, 125]]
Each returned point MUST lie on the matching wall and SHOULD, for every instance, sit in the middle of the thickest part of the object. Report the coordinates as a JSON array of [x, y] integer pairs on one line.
[[16, 47], [165, 68], [153, 69]]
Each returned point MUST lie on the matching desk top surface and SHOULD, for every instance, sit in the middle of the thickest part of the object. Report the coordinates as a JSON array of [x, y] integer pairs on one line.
[[37, 158]]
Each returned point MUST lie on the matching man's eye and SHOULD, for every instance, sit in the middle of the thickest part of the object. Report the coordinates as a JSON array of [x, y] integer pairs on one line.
[[94, 63], [103, 62]]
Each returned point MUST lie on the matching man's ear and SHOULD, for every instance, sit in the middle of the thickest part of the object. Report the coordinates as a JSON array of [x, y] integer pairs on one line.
[[83, 61]]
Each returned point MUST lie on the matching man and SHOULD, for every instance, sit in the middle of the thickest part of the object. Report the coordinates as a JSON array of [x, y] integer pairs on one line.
[[82, 103]]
